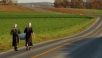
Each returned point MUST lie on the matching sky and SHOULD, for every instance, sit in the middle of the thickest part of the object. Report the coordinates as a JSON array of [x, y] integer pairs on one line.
[[24, 1]]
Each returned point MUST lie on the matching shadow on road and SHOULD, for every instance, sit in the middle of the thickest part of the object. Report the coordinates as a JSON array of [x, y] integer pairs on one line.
[[87, 48]]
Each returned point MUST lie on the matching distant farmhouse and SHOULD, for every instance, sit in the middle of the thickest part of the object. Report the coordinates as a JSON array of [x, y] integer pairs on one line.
[[38, 4]]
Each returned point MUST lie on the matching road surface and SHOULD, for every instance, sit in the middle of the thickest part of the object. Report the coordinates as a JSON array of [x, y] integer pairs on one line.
[[87, 44]]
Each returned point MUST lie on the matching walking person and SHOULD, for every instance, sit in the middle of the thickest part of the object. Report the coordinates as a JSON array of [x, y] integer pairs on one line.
[[29, 31], [15, 38]]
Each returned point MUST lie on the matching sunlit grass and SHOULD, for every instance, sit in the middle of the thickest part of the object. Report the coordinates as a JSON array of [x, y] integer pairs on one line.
[[46, 26]]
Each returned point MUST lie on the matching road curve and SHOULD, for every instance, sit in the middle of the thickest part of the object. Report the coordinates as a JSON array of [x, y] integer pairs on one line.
[[86, 44], [87, 48]]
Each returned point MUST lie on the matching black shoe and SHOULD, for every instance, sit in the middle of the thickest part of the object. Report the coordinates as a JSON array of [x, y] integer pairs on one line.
[[15, 49], [30, 48]]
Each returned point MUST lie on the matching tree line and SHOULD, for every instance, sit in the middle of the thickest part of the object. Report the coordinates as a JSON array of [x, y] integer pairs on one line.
[[8, 2], [90, 4]]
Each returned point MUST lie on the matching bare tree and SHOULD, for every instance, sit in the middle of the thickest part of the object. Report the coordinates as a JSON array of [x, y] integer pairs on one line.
[[0, 2], [4, 2], [86, 4], [8, 2], [16, 2]]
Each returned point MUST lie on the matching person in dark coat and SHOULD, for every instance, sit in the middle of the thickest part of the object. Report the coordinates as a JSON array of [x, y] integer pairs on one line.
[[29, 31], [15, 38]]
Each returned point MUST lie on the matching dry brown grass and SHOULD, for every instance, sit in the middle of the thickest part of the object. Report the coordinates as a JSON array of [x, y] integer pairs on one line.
[[61, 10], [67, 10], [15, 9]]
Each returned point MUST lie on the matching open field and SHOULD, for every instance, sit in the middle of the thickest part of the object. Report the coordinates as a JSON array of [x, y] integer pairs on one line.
[[94, 10], [68, 10], [74, 10], [14, 9], [46, 26], [61, 10]]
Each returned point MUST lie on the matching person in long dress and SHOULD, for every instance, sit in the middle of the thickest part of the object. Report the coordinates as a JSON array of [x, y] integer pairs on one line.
[[15, 38], [29, 31]]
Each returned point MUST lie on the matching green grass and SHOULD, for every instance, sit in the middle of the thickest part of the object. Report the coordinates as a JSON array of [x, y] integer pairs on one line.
[[46, 26]]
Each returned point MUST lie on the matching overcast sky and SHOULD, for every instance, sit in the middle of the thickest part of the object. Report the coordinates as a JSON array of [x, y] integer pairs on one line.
[[20, 1]]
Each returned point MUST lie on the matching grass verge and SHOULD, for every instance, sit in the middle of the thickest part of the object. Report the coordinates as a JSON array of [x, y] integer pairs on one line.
[[46, 26]]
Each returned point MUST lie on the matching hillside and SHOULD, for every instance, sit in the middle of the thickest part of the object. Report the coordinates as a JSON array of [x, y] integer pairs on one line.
[[15, 9], [59, 10], [67, 10]]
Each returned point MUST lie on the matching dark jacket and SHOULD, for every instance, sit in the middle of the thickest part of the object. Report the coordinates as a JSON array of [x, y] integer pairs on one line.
[[15, 38], [28, 32]]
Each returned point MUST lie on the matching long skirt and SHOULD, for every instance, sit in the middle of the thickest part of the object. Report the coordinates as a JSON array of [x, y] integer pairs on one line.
[[29, 41], [15, 41]]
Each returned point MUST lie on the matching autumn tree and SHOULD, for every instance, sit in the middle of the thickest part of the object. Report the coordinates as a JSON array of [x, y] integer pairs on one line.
[[61, 3], [73, 3], [65, 3], [98, 4], [80, 4], [95, 4], [101, 4], [57, 3]]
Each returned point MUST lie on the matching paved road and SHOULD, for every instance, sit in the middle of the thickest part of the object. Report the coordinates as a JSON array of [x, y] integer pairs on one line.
[[87, 44], [87, 48]]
